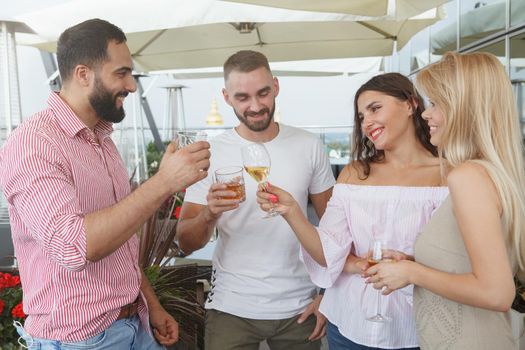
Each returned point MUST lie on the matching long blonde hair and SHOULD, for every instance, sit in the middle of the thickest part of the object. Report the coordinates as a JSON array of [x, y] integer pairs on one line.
[[481, 125]]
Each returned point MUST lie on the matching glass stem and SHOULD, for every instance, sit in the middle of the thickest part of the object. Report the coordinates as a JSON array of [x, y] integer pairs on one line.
[[378, 302], [272, 211]]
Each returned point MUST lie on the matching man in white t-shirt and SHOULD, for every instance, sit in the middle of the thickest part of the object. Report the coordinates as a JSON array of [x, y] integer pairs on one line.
[[260, 288]]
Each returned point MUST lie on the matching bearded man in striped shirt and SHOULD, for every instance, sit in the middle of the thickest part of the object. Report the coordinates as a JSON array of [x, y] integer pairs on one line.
[[73, 218]]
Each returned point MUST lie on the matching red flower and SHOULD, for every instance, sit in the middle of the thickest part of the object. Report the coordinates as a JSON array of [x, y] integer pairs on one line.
[[15, 280], [2, 304], [18, 311], [177, 212], [7, 280]]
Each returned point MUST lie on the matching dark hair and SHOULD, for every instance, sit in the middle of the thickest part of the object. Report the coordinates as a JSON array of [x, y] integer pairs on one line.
[[400, 87], [86, 43], [245, 61]]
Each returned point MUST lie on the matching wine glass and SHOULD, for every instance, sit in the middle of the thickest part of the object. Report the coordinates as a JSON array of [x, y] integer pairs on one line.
[[256, 161], [376, 255]]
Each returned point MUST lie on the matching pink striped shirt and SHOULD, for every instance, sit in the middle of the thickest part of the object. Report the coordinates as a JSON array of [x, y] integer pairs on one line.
[[53, 172], [395, 214]]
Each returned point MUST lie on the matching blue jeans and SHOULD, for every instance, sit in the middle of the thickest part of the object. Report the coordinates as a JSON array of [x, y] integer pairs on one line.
[[337, 341], [125, 334]]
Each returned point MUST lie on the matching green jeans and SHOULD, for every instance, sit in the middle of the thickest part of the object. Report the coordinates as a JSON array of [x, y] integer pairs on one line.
[[228, 332]]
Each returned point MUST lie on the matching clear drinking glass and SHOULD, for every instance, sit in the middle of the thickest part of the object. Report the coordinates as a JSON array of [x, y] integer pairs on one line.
[[376, 255], [233, 178], [256, 161], [185, 138]]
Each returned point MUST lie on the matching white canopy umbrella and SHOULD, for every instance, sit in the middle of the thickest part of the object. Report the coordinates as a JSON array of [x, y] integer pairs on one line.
[[193, 34], [308, 68], [355, 7], [402, 8]]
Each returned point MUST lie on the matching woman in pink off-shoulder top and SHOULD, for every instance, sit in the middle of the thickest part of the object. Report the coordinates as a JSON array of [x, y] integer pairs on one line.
[[390, 191]]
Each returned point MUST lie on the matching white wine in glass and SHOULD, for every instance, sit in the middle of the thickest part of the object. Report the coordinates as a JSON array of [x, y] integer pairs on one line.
[[375, 256], [256, 161], [258, 173]]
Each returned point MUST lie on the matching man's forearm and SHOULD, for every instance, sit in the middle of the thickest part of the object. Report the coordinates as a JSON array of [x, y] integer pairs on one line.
[[109, 228], [149, 293], [194, 233]]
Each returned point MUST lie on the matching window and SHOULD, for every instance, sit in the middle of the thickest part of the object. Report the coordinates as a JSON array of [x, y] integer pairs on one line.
[[517, 12], [517, 74], [479, 19], [443, 34], [419, 50]]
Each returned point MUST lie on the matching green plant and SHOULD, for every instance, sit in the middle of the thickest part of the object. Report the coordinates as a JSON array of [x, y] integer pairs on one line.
[[175, 286], [157, 235], [153, 157], [10, 310]]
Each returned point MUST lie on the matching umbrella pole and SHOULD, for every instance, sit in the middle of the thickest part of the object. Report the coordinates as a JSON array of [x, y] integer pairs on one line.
[[7, 83]]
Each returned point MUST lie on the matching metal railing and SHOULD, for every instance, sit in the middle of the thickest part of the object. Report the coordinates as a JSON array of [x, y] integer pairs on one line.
[[4, 215], [336, 139]]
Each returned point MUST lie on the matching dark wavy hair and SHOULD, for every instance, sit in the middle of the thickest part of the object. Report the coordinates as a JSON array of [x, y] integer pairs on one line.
[[400, 87]]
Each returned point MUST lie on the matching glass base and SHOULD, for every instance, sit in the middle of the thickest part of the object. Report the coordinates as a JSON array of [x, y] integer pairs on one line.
[[378, 318], [270, 214]]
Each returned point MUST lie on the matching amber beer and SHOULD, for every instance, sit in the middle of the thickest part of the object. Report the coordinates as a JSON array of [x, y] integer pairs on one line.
[[238, 188], [233, 178]]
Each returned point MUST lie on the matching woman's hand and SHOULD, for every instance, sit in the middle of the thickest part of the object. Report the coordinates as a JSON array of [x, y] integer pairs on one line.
[[390, 274], [355, 265], [396, 255], [270, 196]]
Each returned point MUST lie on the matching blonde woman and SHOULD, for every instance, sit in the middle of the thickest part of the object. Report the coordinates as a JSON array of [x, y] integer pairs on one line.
[[467, 254]]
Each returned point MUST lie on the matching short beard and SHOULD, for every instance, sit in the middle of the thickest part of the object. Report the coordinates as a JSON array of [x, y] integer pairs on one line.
[[105, 104], [259, 125]]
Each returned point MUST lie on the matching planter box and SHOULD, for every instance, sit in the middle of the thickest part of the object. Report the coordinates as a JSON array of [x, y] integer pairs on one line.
[[518, 327]]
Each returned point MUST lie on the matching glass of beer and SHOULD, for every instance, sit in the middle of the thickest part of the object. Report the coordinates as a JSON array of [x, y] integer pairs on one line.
[[185, 138], [233, 178]]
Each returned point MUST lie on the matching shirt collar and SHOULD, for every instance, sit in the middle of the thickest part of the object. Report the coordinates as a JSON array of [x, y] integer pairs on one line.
[[70, 122]]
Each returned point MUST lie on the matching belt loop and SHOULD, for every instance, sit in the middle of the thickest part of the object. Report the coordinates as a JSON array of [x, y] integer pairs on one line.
[[24, 336]]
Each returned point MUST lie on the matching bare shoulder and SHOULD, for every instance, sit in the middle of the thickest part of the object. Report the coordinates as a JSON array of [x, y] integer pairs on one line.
[[352, 173], [473, 181], [469, 174]]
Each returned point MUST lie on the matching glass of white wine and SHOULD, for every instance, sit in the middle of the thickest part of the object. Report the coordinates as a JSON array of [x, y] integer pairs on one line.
[[376, 252], [256, 161]]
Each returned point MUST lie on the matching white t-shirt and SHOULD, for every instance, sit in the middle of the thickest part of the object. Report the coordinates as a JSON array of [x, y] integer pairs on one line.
[[257, 272]]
